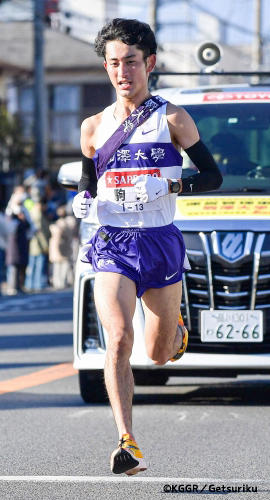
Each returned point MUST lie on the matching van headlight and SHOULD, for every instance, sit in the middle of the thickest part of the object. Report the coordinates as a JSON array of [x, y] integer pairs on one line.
[[91, 343]]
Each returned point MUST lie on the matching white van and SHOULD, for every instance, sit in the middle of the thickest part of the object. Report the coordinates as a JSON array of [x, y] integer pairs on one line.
[[226, 294]]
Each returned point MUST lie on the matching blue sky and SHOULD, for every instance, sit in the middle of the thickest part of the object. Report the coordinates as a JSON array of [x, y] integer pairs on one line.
[[185, 20], [239, 12]]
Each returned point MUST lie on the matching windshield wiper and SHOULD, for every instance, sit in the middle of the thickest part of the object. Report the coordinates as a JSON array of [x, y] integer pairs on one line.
[[253, 190], [245, 190]]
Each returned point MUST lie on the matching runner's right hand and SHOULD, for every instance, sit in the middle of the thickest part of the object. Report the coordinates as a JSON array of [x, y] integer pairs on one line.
[[81, 204], [150, 188]]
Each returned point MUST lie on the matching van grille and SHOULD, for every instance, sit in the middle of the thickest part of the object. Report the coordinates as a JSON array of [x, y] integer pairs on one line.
[[91, 332], [218, 281]]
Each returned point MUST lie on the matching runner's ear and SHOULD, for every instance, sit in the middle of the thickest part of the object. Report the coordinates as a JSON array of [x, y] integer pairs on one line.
[[151, 62]]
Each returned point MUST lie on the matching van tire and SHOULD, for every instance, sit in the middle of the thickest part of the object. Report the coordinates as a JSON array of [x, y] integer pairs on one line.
[[92, 387]]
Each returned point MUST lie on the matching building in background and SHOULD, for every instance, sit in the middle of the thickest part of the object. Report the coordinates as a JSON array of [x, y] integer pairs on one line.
[[80, 20], [76, 85]]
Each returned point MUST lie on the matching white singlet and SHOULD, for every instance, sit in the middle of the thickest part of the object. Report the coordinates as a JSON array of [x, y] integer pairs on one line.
[[148, 150]]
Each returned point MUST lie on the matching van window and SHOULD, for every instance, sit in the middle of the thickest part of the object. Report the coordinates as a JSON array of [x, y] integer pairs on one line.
[[238, 136]]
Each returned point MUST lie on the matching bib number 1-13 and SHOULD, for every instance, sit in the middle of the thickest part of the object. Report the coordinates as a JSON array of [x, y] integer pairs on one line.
[[132, 207]]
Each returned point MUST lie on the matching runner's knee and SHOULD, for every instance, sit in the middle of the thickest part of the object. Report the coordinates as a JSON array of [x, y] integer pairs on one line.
[[120, 343], [158, 354]]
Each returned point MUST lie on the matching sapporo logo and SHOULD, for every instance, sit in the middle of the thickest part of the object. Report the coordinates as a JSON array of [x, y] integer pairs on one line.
[[232, 246], [124, 178]]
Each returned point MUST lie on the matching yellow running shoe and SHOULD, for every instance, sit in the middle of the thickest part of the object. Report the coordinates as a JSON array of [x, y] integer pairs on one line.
[[184, 344], [127, 457]]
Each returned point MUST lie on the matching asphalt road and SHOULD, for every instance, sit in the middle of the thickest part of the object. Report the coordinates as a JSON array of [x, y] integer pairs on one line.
[[197, 434]]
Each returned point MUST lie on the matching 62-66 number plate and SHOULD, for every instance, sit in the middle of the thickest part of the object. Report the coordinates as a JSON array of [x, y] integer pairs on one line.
[[231, 326]]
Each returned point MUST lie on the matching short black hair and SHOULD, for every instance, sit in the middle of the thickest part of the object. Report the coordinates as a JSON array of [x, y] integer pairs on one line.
[[128, 31]]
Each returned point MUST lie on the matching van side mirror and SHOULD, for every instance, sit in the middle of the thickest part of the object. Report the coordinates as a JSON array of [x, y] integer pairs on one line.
[[69, 175]]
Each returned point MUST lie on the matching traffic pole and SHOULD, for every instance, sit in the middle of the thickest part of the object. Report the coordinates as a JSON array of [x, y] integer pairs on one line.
[[40, 95]]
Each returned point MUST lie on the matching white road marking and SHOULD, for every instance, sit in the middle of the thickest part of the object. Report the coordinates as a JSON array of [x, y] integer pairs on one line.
[[235, 415], [204, 415], [182, 416], [81, 413], [123, 479]]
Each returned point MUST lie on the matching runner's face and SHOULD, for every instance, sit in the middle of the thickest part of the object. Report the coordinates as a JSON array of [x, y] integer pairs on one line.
[[127, 69]]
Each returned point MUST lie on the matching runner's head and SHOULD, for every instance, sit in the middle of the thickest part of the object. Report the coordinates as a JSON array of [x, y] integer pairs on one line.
[[128, 31], [129, 50]]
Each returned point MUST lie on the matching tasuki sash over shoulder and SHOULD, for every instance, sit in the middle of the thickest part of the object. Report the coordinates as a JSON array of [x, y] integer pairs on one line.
[[134, 120]]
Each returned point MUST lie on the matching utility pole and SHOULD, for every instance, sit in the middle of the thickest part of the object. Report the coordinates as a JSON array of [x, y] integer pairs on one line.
[[40, 97], [257, 42], [153, 15]]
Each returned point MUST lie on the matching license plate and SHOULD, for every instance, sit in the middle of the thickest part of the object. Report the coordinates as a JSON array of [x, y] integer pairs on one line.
[[231, 326]]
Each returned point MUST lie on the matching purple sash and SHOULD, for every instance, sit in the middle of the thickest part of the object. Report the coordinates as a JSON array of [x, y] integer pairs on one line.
[[136, 118]]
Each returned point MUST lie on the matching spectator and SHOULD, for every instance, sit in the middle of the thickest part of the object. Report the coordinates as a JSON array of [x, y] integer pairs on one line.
[[37, 269], [16, 200], [17, 241], [63, 232], [3, 241], [38, 179]]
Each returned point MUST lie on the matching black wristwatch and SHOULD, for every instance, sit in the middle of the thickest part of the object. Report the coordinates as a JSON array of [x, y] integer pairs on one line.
[[175, 186]]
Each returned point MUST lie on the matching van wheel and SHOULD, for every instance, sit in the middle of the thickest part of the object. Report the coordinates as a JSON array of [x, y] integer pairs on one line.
[[150, 378], [92, 387]]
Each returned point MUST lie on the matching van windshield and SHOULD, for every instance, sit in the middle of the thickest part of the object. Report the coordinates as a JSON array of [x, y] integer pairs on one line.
[[238, 136]]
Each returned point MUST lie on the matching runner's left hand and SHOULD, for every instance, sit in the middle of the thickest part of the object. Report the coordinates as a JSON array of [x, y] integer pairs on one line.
[[81, 204], [150, 188]]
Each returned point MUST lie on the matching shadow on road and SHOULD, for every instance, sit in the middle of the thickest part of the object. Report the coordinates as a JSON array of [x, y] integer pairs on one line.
[[26, 400], [14, 366], [35, 341], [236, 393], [250, 393]]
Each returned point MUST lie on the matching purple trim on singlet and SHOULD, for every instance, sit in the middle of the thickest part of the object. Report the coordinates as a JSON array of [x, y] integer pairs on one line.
[[148, 154], [151, 257], [129, 125]]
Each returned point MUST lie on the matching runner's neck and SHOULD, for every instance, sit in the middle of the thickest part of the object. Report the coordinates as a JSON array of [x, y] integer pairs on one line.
[[124, 107]]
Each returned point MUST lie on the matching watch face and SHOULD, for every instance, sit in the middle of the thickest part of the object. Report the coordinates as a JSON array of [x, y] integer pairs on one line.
[[175, 187]]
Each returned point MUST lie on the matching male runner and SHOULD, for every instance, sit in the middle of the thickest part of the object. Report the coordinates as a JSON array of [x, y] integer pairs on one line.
[[137, 250]]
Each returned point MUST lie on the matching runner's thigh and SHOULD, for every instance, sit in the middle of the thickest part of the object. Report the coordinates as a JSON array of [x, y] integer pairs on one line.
[[161, 308], [115, 299]]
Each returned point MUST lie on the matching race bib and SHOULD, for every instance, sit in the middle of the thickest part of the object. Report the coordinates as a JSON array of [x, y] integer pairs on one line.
[[135, 206], [117, 187]]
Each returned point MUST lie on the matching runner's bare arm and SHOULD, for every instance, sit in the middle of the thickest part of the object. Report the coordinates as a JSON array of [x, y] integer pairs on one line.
[[88, 181], [184, 133], [88, 134]]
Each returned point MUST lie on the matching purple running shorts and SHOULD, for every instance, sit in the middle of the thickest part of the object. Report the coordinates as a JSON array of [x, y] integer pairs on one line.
[[151, 257]]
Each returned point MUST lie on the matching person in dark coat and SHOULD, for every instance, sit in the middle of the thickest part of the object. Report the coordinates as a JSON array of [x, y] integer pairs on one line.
[[3, 243], [17, 248]]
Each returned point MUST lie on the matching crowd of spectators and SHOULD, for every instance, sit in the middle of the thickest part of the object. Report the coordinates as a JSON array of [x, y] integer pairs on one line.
[[38, 237]]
